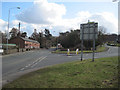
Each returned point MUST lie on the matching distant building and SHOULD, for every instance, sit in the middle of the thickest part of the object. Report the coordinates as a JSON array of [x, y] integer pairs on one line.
[[59, 46], [25, 43]]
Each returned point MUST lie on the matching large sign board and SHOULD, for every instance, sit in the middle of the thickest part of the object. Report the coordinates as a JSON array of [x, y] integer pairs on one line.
[[88, 31]]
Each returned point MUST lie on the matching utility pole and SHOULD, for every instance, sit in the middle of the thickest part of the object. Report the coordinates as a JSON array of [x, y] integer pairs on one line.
[[19, 26], [8, 29], [9, 25]]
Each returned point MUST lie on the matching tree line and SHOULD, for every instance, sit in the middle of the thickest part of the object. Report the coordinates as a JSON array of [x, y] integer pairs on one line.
[[68, 39]]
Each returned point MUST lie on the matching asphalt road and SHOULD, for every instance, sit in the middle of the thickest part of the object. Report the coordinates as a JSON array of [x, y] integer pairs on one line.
[[18, 64]]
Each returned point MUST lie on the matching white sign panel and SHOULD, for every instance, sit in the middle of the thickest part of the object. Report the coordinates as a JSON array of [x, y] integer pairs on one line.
[[89, 30]]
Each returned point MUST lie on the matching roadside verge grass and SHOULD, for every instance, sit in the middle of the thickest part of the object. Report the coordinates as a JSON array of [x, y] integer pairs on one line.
[[103, 73], [99, 49]]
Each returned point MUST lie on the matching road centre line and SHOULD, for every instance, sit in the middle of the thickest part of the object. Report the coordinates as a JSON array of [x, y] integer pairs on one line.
[[36, 60], [109, 50], [26, 66], [34, 63], [22, 69], [39, 61], [42, 58], [29, 65]]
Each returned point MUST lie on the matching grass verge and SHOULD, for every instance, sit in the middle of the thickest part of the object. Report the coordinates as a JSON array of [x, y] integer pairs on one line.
[[114, 44], [100, 49], [103, 73]]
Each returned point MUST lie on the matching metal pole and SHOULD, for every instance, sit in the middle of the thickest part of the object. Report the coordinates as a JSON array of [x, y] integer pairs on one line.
[[8, 29], [82, 44], [56, 43], [94, 43], [19, 26], [8, 25]]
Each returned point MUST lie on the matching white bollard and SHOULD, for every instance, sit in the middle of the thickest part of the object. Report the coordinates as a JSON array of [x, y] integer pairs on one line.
[[77, 50], [68, 52]]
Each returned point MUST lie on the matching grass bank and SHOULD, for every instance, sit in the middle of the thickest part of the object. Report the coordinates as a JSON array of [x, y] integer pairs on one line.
[[99, 49], [114, 44], [103, 73]]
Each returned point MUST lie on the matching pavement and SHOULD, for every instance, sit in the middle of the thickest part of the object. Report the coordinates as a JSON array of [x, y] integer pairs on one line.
[[16, 65]]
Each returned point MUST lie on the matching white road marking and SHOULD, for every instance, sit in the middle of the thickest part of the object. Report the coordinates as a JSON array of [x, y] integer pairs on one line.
[[39, 60], [29, 65], [42, 58], [26, 66], [22, 69], [109, 50], [34, 63]]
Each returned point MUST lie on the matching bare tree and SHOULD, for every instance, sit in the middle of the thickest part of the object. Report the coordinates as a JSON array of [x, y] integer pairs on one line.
[[14, 32]]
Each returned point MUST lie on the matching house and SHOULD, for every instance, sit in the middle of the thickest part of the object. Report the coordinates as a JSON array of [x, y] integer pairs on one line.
[[25, 43]]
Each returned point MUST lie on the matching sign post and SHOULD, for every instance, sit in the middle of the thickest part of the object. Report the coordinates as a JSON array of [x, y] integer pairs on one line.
[[88, 31], [82, 34], [93, 44]]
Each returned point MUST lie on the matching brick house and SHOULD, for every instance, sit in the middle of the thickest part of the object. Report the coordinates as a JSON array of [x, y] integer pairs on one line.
[[25, 43]]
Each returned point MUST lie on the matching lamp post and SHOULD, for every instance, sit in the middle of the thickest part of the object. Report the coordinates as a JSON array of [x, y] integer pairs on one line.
[[8, 24], [56, 42]]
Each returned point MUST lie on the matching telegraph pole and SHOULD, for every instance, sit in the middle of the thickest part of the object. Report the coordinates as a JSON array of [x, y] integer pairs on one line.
[[19, 26], [9, 25]]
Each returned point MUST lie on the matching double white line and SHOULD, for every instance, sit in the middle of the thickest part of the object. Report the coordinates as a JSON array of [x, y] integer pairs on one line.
[[38, 60], [34, 63]]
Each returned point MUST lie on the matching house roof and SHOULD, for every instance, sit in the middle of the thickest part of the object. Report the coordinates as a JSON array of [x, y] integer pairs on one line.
[[27, 39]]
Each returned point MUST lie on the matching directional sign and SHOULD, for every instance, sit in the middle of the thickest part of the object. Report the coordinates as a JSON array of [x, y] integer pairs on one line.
[[88, 31]]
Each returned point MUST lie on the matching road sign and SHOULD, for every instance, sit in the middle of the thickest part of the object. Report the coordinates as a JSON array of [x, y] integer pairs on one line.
[[88, 31]]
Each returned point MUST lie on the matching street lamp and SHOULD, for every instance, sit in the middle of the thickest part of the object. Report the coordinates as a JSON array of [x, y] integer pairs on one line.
[[56, 41], [8, 24]]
